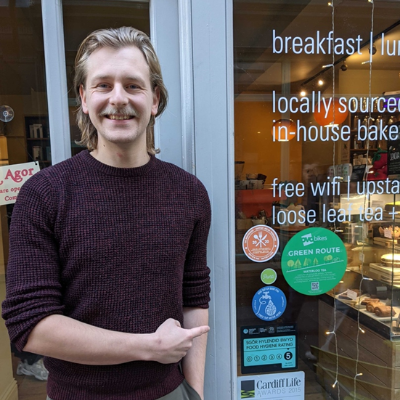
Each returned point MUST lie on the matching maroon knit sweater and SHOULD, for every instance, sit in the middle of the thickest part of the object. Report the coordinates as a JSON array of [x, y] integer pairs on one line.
[[121, 249]]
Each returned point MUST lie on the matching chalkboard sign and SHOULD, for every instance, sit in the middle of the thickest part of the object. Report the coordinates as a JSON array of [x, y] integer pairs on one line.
[[358, 173], [394, 155]]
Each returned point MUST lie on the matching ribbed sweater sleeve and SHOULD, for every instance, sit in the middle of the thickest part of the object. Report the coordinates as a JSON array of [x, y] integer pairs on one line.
[[196, 281], [33, 287]]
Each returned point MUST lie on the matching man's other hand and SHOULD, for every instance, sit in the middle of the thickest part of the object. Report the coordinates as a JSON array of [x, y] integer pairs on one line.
[[173, 342]]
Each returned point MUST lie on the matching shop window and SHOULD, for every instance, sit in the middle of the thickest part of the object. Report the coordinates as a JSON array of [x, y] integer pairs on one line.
[[24, 150], [317, 140]]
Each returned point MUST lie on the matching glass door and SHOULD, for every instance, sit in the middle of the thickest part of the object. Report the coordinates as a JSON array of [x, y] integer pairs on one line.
[[316, 153]]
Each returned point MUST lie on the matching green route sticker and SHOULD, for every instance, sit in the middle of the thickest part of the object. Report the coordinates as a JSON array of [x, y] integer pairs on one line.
[[314, 261], [268, 276]]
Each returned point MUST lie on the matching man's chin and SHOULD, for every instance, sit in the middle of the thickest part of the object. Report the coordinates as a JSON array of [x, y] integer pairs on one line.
[[123, 139]]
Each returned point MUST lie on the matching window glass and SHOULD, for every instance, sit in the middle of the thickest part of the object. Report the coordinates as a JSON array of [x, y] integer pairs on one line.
[[317, 117], [83, 17], [24, 149]]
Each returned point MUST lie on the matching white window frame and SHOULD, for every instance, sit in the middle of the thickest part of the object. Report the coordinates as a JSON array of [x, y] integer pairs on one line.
[[56, 80]]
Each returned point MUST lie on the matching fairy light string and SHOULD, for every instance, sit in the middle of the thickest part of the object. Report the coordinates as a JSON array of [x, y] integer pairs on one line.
[[366, 198], [333, 332]]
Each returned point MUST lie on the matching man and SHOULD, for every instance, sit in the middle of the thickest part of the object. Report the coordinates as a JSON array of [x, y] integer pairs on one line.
[[108, 248]]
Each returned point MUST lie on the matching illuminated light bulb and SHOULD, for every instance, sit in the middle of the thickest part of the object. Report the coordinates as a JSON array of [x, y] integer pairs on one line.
[[327, 65], [330, 4], [362, 330], [320, 82], [366, 62], [303, 93]]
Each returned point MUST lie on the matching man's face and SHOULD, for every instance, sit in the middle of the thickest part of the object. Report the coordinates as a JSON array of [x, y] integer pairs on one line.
[[118, 96]]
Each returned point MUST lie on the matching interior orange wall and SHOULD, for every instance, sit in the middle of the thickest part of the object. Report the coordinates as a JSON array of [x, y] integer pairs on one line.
[[258, 151]]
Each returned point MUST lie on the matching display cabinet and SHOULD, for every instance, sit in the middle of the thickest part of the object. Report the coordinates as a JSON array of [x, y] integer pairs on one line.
[[359, 320]]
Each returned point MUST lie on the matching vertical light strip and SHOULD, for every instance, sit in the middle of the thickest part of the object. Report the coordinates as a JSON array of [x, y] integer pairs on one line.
[[56, 80], [336, 383], [186, 68], [153, 38], [230, 95]]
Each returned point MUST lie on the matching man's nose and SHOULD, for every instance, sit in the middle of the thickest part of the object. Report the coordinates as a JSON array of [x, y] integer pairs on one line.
[[118, 95]]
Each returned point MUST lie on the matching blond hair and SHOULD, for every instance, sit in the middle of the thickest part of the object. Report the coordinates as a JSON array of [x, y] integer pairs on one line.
[[117, 38]]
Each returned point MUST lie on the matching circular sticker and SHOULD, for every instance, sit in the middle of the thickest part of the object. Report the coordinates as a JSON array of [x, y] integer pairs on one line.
[[269, 303], [268, 276], [314, 261], [260, 243]]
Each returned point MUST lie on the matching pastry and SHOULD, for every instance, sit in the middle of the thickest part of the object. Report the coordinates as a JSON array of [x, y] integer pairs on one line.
[[371, 307], [367, 300], [384, 311]]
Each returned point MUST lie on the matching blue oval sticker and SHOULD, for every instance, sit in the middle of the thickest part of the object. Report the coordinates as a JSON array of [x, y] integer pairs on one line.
[[269, 303]]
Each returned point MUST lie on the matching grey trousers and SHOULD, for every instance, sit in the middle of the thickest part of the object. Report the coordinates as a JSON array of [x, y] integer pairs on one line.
[[182, 392]]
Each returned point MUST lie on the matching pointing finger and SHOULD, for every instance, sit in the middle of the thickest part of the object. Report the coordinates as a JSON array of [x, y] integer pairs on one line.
[[199, 330]]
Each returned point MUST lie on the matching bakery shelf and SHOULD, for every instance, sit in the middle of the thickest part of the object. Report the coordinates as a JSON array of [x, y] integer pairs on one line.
[[361, 150], [383, 328]]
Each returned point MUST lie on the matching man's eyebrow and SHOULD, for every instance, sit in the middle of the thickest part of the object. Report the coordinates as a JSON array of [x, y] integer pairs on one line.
[[127, 78], [100, 77]]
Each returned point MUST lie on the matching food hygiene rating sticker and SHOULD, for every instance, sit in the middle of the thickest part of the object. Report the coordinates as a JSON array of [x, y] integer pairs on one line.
[[269, 303], [314, 261], [260, 243]]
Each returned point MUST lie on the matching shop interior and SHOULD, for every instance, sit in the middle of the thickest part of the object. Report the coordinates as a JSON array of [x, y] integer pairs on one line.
[[360, 363]]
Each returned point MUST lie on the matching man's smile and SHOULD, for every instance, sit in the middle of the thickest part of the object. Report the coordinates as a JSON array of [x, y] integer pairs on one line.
[[119, 117]]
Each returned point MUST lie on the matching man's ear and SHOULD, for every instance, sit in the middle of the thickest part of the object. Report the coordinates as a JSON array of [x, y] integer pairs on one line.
[[82, 93], [156, 101]]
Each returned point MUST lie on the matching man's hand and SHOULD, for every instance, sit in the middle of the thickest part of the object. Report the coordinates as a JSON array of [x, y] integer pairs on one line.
[[67, 339], [173, 342]]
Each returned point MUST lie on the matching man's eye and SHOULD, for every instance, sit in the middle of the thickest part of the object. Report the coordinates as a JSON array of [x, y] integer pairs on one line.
[[132, 87], [102, 85]]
